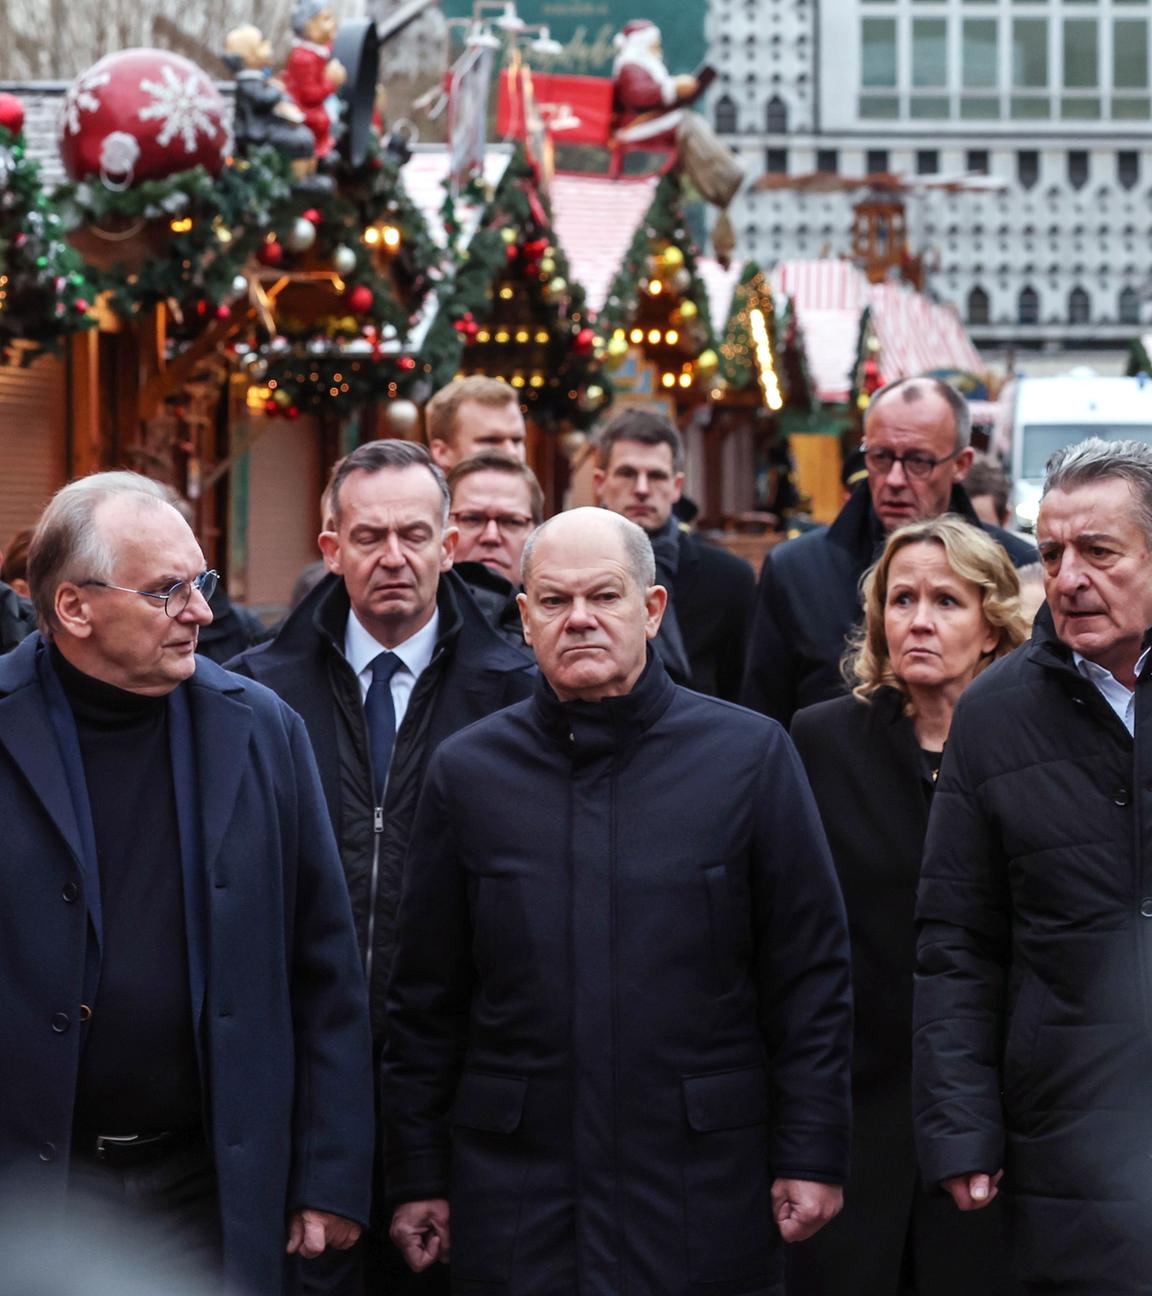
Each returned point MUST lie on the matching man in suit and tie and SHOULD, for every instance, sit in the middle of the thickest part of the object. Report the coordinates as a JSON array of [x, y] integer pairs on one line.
[[385, 658]]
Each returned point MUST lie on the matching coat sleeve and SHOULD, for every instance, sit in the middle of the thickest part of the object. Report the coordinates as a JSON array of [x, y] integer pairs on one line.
[[770, 679], [962, 954], [429, 993], [334, 1116], [804, 974]]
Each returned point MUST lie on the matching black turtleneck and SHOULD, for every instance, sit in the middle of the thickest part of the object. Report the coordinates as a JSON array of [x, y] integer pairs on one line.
[[138, 1071]]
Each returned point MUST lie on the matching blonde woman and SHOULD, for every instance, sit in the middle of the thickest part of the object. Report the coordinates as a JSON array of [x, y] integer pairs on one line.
[[941, 604]]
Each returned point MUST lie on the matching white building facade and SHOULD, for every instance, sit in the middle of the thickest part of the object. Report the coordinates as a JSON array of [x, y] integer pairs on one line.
[[1053, 98]]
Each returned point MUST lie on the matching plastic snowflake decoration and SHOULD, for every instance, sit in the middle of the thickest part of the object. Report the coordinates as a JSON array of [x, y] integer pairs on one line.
[[81, 98], [183, 107]]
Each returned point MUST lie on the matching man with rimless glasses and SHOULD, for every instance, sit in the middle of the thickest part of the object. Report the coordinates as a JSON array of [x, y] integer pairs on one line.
[[183, 1019], [496, 505], [916, 450]]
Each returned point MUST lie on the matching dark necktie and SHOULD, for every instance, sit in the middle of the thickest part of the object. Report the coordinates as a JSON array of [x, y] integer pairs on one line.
[[380, 713]]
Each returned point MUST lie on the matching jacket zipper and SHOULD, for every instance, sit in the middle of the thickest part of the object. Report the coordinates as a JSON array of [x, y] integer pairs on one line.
[[374, 883]]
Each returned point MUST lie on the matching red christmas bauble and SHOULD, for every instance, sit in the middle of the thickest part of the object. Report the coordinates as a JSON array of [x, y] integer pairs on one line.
[[11, 113], [359, 299], [142, 114], [270, 254], [583, 342]]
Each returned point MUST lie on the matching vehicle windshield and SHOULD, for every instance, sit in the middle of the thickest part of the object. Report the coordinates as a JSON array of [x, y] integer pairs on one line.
[[1042, 440]]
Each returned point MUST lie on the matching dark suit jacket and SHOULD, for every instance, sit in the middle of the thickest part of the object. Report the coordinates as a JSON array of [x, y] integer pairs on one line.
[[714, 593], [283, 1016], [874, 794]]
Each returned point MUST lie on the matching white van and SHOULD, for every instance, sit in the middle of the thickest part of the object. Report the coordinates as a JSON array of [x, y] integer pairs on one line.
[[1050, 413]]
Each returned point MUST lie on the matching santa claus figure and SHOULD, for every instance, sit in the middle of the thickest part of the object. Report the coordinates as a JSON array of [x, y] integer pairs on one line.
[[311, 73], [648, 100]]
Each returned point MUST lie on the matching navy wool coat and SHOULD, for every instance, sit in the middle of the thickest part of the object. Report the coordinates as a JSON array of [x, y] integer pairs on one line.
[[282, 1023], [620, 1007]]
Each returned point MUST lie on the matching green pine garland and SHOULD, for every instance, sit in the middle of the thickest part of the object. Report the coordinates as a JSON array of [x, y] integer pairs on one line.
[[45, 294]]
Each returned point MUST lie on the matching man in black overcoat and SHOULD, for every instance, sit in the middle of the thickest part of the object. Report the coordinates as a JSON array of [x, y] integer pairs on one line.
[[1032, 1052], [916, 448], [704, 634], [619, 1017], [391, 603]]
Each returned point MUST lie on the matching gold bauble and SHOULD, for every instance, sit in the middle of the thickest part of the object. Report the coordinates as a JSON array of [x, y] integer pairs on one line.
[[708, 361], [688, 310], [547, 268], [673, 257]]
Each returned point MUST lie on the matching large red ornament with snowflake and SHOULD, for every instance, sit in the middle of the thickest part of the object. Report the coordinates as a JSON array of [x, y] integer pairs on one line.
[[142, 114]]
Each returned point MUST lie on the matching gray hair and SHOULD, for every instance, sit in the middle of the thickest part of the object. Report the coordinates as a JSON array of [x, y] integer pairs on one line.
[[373, 456], [638, 555], [1097, 460], [68, 546], [915, 389], [304, 11]]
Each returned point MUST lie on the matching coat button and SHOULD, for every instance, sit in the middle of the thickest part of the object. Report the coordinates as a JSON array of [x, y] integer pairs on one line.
[[1146, 907], [69, 893], [1123, 796], [47, 1152], [61, 1022]]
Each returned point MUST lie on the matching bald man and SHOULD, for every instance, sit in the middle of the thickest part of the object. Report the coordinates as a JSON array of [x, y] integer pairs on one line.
[[619, 1016]]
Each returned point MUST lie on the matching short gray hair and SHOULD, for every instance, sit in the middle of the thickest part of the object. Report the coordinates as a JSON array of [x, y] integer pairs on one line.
[[1097, 460], [915, 389], [638, 555], [68, 546], [371, 457]]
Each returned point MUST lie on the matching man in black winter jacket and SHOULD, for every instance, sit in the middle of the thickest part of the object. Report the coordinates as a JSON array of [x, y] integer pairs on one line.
[[619, 1017], [392, 617], [1032, 1054], [917, 452], [17, 619]]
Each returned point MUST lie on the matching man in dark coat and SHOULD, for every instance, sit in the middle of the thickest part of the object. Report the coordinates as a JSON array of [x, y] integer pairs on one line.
[[183, 1019], [916, 438], [17, 620], [702, 639], [619, 1018], [393, 599], [496, 504], [1032, 1053]]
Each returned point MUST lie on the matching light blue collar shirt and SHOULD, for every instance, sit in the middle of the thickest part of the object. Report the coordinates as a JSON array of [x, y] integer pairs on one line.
[[362, 649], [1121, 699]]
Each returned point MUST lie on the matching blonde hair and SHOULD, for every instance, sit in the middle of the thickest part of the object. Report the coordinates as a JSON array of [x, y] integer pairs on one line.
[[440, 412], [975, 557]]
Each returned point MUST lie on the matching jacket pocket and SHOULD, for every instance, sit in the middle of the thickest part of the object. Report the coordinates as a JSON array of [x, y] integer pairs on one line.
[[727, 1188], [488, 1173]]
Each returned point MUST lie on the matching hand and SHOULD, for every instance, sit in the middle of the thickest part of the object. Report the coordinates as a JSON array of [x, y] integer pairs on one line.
[[972, 1192], [335, 73], [685, 85], [802, 1207], [420, 1230], [310, 1231]]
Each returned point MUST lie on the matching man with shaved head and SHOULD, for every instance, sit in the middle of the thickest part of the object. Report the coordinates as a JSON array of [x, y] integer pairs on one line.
[[619, 1019]]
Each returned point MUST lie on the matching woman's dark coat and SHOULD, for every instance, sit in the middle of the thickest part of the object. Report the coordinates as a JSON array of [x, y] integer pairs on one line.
[[874, 793], [1034, 983], [620, 1008]]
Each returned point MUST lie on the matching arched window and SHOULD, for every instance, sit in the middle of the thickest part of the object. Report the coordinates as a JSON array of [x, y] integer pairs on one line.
[[776, 118], [725, 116], [977, 306], [1129, 306], [1079, 306], [1028, 307]]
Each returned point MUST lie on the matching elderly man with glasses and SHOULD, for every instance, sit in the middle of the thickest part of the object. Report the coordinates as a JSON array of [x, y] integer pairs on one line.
[[916, 450], [183, 1019]]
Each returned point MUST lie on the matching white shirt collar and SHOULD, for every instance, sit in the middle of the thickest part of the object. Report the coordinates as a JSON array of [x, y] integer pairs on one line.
[[362, 649], [1101, 674]]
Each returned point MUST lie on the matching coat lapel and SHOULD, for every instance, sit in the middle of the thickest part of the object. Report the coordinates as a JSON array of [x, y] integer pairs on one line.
[[221, 726]]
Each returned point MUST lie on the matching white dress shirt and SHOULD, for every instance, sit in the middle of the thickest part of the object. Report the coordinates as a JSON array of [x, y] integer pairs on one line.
[[1119, 697], [362, 649]]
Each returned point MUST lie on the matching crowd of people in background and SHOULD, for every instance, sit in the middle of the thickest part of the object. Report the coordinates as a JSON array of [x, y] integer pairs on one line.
[[553, 905]]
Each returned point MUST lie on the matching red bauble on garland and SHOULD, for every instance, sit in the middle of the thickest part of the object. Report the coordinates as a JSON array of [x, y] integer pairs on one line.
[[11, 113], [359, 299], [142, 114], [583, 342], [270, 254]]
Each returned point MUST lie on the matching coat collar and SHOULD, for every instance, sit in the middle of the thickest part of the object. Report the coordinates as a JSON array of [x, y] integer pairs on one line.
[[1047, 649], [593, 729]]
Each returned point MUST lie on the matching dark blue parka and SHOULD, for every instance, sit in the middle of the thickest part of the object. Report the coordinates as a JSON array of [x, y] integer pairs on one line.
[[1033, 1049], [279, 999], [620, 1006]]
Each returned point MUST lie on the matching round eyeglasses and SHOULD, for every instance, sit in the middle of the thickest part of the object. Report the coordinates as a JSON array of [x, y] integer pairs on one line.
[[915, 464], [176, 597]]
